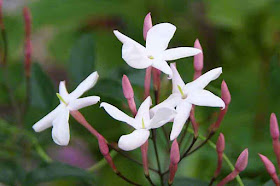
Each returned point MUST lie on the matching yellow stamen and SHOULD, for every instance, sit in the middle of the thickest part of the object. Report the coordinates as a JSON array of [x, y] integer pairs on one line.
[[60, 98], [143, 125], [151, 57], [181, 91]]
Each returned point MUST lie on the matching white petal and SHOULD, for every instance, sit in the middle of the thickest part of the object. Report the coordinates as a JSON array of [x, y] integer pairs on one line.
[[162, 116], [83, 102], [124, 39], [46, 121], [204, 80], [205, 98], [85, 85], [159, 36], [134, 139], [180, 52], [115, 113], [144, 112], [162, 66], [60, 130], [134, 56], [176, 79], [171, 102], [62, 90], [183, 113]]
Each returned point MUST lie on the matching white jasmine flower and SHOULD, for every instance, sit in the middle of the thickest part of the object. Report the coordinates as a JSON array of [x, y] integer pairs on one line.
[[59, 117], [185, 95], [155, 53], [142, 123]]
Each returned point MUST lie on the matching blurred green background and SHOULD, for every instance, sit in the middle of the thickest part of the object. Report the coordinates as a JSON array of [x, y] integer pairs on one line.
[[73, 38]]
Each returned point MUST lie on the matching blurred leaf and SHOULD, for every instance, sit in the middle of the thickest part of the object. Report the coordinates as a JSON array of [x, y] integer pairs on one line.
[[42, 89], [10, 173], [189, 182], [56, 171], [81, 62]]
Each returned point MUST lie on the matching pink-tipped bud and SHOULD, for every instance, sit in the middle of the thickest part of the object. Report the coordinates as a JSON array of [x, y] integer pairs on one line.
[[242, 161], [144, 152], [28, 47], [220, 147], [147, 25], [198, 59], [274, 129], [127, 88], [226, 97], [270, 169], [174, 160]]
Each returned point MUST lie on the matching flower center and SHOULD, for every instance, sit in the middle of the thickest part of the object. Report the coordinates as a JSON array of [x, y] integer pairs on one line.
[[151, 57], [143, 125], [61, 99], [184, 96]]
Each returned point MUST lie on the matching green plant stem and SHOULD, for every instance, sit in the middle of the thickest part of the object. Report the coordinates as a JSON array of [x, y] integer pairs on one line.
[[101, 163]]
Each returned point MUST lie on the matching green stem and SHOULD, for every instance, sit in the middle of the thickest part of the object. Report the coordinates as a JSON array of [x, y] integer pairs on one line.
[[238, 179], [102, 162]]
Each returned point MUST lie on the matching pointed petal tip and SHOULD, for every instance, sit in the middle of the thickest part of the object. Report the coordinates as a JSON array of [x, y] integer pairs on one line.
[[127, 88], [274, 129], [268, 164], [197, 44]]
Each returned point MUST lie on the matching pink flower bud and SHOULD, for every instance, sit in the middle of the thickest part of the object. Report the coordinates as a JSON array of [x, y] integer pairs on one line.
[[174, 160], [226, 97], [127, 88], [270, 168], [242, 161], [103, 146], [220, 147], [274, 130], [147, 25], [144, 152], [28, 47], [147, 83], [198, 59]]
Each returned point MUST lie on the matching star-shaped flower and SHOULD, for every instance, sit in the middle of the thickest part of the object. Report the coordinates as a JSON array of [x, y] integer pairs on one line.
[[59, 117], [142, 123], [155, 53], [185, 95]]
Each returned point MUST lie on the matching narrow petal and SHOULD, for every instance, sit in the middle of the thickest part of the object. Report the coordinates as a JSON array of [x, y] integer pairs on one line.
[[133, 140], [203, 80], [46, 121], [117, 114], [60, 131], [161, 117], [176, 79], [85, 85], [62, 90], [162, 66], [135, 56], [83, 102], [124, 39], [144, 112], [205, 98], [183, 113], [180, 52], [159, 36], [171, 102]]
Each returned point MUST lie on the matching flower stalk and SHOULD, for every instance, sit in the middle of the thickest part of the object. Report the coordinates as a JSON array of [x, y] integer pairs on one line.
[[270, 169]]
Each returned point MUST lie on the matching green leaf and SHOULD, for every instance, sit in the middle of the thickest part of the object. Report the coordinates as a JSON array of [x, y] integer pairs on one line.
[[81, 62], [10, 173], [56, 171], [189, 181], [42, 89]]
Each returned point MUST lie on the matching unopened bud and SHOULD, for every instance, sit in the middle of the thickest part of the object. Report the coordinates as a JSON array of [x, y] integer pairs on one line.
[[226, 97], [242, 161], [274, 129], [144, 152], [220, 147], [198, 59], [103, 146], [174, 160], [270, 168], [127, 88], [147, 25], [147, 83]]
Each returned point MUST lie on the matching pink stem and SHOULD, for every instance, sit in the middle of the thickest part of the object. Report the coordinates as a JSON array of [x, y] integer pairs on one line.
[[276, 148], [147, 83], [219, 164], [28, 47], [229, 178]]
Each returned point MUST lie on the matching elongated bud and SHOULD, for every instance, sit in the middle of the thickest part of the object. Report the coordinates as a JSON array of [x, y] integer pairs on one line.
[[129, 94], [147, 25], [144, 152], [274, 130], [226, 97], [104, 149], [174, 160], [242, 161], [198, 60], [147, 83], [270, 169], [28, 47], [156, 83], [220, 147]]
